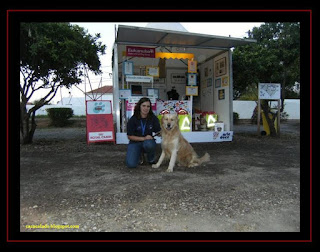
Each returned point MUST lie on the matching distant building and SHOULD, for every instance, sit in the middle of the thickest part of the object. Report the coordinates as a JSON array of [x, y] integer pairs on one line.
[[296, 88], [103, 93]]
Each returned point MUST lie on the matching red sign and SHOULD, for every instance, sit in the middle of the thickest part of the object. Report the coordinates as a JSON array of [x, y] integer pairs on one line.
[[99, 121], [145, 52]]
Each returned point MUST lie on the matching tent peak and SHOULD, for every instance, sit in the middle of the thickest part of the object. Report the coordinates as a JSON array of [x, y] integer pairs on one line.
[[167, 26]]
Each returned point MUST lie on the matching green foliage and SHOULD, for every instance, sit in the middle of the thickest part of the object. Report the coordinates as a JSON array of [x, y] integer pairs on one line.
[[59, 116]]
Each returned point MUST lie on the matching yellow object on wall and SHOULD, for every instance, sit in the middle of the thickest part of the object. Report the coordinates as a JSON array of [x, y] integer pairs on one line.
[[174, 55]]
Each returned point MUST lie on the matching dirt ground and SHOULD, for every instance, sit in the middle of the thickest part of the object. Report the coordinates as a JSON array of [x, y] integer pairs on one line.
[[251, 184]]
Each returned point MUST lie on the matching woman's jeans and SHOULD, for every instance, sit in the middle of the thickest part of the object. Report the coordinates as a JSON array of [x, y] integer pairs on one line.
[[134, 152]]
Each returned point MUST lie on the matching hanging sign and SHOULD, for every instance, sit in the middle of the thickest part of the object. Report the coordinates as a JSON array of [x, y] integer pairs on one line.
[[192, 90], [145, 52], [99, 121], [192, 79], [139, 78], [192, 66], [127, 68]]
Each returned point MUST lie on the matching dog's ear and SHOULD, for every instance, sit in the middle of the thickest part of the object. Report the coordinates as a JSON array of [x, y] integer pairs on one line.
[[177, 117], [162, 119]]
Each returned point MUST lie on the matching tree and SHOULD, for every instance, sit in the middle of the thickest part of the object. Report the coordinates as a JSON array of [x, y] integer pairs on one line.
[[275, 58], [51, 56]]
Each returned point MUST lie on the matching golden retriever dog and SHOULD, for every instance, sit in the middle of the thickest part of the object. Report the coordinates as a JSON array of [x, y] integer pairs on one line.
[[175, 146]]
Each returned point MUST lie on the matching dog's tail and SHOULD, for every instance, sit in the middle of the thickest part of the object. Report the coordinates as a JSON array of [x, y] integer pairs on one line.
[[205, 158]]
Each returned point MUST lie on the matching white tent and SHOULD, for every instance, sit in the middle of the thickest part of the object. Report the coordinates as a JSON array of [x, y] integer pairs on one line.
[[214, 59]]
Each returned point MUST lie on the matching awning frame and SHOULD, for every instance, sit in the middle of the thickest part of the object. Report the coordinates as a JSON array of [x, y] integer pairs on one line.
[[128, 35]]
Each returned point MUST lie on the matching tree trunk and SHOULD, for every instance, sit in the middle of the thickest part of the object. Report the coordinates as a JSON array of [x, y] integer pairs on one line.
[[27, 129], [270, 121]]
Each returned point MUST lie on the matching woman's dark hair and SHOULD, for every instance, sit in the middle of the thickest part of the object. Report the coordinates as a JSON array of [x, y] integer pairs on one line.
[[137, 108]]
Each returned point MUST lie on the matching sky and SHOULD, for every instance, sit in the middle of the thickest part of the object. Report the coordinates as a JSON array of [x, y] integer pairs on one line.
[[107, 32]]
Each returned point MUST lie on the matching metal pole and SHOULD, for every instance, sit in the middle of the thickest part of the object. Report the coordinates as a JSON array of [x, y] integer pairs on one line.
[[278, 124], [230, 91], [259, 112], [116, 87]]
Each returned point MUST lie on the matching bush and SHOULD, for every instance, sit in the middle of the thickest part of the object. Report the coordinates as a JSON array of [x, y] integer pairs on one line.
[[59, 116], [235, 117]]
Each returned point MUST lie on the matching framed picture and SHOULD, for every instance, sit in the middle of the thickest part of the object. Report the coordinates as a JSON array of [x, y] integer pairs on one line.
[[221, 94], [225, 81], [192, 79], [152, 71], [220, 67], [209, 82], [178, 78], [136, 90], [127, 68], [217, 83], [153, 92], [159, 80], [192, 90]]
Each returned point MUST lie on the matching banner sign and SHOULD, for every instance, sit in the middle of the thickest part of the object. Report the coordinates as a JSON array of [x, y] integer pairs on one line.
[[99, 121], [145, 52]]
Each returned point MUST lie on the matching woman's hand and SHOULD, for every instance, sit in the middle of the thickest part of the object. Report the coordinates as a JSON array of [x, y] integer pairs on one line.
[[148, 137], [139, 138]]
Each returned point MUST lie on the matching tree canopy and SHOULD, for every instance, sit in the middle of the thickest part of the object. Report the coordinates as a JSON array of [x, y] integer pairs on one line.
[[51, 55]]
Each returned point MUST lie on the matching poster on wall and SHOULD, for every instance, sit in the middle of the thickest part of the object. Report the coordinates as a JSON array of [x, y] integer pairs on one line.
[[99, 121], [217, 83]]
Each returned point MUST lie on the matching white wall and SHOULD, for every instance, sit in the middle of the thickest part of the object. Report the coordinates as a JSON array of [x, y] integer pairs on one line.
[[292, 107], [76, 103], [206, 86], [77, 110], [210, 94], [245, 108], [222, 106]]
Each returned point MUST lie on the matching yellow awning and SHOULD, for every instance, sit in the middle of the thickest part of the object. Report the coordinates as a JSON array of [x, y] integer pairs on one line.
[[163, 55], [168, 55]]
